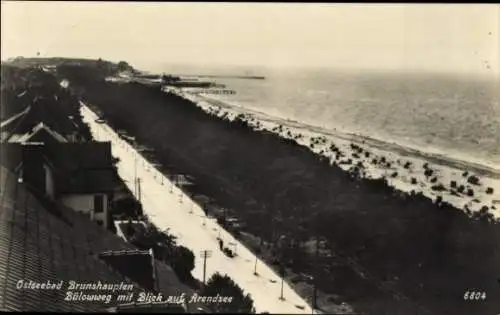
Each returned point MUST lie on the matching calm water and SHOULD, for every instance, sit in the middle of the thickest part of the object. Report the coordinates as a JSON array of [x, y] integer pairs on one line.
[[459, 116]]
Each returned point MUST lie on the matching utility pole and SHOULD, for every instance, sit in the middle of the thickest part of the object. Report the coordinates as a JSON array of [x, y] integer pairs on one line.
[[315, 290], [139, 189], [205, 254], [172, 184], [135, 176], [255, 266], [282, 280]]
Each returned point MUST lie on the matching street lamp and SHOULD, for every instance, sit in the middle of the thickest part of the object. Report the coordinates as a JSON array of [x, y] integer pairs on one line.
[[313, 298]]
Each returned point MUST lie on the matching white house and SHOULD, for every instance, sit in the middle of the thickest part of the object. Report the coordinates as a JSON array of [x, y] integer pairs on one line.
[[79, 175]]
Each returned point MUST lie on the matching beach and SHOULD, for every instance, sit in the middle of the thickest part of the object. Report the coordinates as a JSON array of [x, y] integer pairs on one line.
[[403, 167], [382, 250]]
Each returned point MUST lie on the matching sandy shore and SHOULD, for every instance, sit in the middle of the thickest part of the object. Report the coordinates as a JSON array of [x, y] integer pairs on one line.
[[468, 186]]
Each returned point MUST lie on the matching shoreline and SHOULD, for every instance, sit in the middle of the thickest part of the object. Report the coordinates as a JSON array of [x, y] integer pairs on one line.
[[445, 169], [257, 175], [482, 167]]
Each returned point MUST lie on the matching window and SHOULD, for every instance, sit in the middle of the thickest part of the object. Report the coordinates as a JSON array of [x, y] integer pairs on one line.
[[98, 204]]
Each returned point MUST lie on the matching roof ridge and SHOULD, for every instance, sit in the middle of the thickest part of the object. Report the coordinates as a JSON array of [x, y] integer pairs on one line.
[[42, 126], [124, 251]]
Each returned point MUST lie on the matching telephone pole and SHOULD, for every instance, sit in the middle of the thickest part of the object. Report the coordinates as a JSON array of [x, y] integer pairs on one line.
[[172, 184], [315, 290], [255, 266], [205, 254], [139, 189], [282, 280], [135, 176]]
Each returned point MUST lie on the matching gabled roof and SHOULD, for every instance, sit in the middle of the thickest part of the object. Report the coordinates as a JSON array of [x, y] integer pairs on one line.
[[39, 133], [82, 167], [14, 118], [80, 155], [42, 110], [42, 241]]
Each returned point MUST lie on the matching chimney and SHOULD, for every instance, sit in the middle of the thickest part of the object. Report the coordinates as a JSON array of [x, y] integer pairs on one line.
[[33, 170]]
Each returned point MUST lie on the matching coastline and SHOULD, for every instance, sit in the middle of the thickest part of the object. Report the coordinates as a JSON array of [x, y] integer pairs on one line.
[[445, 169], [255, 173]]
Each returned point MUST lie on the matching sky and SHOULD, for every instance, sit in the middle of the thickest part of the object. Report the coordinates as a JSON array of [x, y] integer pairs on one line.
[[435, 37]]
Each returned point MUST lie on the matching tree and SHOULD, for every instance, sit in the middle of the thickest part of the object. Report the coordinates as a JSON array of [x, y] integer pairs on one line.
[[127, 207], [162, 243], [183, 262], [224, 286], [123, 65]]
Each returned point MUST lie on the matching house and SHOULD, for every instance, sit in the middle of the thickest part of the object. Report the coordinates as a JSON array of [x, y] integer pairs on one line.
[[44, 242], [85, 177], [41, 133], [79, 175], [40, 115]]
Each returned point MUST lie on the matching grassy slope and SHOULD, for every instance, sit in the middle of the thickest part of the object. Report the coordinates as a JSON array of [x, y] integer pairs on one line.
[[436, 252]]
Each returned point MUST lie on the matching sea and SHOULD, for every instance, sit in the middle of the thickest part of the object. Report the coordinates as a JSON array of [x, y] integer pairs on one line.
[[457, 116]]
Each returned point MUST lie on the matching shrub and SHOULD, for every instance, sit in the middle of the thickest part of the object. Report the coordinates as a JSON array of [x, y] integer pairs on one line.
[[127, 207], [183, 261], [428, 172], [473, 180], [223, 285], [439, 199], [228, 252], [489, 190], [438, 187]]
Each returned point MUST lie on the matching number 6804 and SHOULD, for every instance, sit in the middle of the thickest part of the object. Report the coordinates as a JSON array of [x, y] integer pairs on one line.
[[474, 295]]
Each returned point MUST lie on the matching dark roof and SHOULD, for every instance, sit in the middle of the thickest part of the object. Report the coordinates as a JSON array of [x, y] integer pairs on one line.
[[79, 167], [10, 155], [137, 263], [86, 181], [80, 155], [47, 241], [46, 110]]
